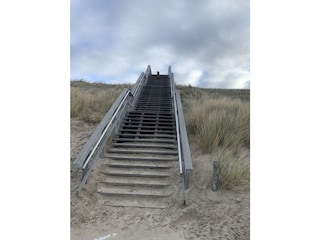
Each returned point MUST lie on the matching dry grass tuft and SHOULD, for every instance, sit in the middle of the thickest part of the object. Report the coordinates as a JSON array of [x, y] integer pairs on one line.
[[234, 171], [91, 101], [221, 125]]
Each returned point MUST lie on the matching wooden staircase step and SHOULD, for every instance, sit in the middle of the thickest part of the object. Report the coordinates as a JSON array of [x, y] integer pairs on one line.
[[137, 164], [136, 202], [127, 191], [141, 158], [137, 173], [142, 182]]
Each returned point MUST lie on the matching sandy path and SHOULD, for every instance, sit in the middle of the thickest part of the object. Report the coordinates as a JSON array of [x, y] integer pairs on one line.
[[208, 215]]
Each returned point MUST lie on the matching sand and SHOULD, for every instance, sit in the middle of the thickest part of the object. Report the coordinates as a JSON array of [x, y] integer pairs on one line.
[[207, 215]]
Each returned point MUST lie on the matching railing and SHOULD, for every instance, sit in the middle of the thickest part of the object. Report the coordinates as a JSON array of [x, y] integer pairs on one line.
[[185, 162], [186, 155], [95, 146]]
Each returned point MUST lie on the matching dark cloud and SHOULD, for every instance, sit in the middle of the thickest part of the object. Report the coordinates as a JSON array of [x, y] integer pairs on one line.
[[205, 41]]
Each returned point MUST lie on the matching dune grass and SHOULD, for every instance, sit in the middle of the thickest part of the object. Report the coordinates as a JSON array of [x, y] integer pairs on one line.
[[234, 169], [91, 101], [218, 118], [221, 124]]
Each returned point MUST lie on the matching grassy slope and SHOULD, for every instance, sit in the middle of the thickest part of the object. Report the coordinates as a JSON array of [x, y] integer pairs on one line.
[[219, 120]]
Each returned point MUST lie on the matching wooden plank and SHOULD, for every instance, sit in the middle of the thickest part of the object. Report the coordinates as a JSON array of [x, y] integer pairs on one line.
[[135, 174], [140, 158], [132, 192], [188, 168], [132, 164], [136, 203]]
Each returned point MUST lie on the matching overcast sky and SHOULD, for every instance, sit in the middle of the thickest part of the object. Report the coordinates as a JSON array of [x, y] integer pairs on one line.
[[206, 42]]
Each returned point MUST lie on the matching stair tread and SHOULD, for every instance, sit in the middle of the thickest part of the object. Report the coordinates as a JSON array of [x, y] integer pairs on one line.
[[137, 181], [146, 131], [157, 135], [144, 145], [142, 158], [144, 140], [136, 203], [136, 172], [146, 127], [148, 192], [142, 151], [133, 164]]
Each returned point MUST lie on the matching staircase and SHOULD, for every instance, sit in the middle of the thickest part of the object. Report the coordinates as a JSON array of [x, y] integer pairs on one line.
[[142, 162]]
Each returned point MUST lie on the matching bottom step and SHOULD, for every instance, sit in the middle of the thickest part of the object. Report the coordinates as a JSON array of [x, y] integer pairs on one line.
[[138, 203], [132, 192]]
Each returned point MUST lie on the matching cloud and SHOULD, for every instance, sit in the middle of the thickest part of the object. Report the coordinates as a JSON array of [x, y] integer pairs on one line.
[[206, 42]]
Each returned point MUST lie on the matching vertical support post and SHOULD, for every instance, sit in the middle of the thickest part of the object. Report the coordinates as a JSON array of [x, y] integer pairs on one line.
[[215, 178], [186, 179], [103, 150], [184, 190]]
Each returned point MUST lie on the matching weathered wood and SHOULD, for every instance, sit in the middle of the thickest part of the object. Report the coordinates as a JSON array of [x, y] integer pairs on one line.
[[130, 192], [140, 158], [151, 173], [137, 203], [188, 168], [215, 177], [132, 164], [137, 182], [97, 133]]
